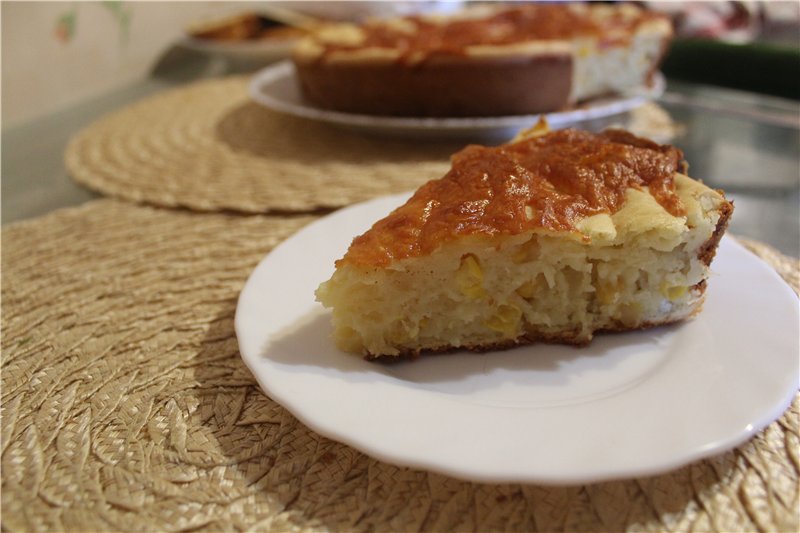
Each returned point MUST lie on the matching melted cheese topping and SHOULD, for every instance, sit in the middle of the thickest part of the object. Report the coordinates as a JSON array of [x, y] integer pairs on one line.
[[553, 182], [415, 36]]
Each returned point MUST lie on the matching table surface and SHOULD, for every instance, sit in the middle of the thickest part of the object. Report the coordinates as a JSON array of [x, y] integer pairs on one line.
[[744, 143], [126, 404]]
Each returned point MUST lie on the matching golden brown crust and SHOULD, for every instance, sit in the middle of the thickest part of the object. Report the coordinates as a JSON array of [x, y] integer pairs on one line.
[[548, 182], [530, 338], [524, 340], [708, 250]]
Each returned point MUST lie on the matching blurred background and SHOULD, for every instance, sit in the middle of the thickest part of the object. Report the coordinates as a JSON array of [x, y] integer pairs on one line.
[[55, 54], [733, 86], [60, 53]]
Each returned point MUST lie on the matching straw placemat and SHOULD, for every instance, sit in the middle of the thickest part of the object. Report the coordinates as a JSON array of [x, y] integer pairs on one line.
[[125, 406], [208, 147]]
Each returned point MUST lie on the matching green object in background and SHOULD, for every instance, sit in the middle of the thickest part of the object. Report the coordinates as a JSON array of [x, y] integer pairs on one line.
[[122, 16], [65, 26], [758, 67]]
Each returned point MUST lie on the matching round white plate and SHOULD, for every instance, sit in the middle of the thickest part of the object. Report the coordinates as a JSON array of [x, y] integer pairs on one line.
[[275, 87], [629, 404]]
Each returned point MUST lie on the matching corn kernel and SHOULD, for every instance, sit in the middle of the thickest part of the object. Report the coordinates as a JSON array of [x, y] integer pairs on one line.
[[608, 292], [631, 312], [506, 320], [673, 292], [469, 277], [528, 289], [526, 252]]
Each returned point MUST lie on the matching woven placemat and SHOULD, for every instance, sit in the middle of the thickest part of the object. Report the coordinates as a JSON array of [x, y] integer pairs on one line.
[[126, 407], [207, 146]]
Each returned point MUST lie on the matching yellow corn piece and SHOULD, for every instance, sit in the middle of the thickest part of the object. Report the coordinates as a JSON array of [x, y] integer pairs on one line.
[[506, 320], [673, 292], [528, 289], [608, 292], [631, 312], [469, 277], [526, 252]]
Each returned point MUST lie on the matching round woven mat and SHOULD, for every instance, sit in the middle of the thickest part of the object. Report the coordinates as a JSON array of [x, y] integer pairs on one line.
[[208, 147], [126, 407]]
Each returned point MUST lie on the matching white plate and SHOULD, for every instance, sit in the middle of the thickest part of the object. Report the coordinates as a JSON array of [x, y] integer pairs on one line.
[[627, 405], [275, 87]]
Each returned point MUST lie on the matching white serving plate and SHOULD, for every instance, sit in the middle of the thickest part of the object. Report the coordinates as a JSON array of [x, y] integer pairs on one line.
[[627, 405]]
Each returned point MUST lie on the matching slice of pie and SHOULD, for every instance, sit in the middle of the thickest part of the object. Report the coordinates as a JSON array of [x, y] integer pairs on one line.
[[551, 237]]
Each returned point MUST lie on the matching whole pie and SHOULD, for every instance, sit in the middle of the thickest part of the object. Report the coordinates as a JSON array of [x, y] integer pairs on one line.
[[487, 60]]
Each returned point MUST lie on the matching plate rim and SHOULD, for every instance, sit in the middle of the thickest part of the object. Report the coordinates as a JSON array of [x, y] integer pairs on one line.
[[471, 474]]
